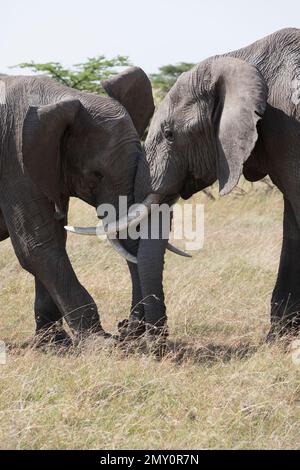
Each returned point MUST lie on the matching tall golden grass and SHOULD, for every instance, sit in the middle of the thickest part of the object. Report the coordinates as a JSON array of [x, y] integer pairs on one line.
[[220, 386]]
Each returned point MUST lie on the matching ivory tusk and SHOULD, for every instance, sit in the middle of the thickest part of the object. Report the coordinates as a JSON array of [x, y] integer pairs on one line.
[[114, 241], [84, 230], [177, 251], [134, 217]]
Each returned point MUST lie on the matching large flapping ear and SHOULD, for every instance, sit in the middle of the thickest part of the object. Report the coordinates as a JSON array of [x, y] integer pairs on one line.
[[43, 129], [240, 101], [133, 90]]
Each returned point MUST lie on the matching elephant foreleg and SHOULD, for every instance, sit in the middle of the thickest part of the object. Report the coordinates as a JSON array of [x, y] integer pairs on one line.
[[3, 228], [48, 318], [40, 246], [47, 315], [285, 312]]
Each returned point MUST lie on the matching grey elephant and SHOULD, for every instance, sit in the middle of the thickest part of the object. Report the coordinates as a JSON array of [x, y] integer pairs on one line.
[[57, 142], [233, 114]]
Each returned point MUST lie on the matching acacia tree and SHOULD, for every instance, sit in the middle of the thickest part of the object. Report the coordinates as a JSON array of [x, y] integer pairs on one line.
[[86, 76]]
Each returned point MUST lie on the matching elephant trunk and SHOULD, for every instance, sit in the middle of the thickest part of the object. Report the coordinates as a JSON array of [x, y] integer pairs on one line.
[[150, 269], [151, 254], [148, 302]]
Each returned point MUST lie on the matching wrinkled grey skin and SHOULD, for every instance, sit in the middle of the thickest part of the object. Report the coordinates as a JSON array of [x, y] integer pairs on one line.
[[56, 142], [232, 115]]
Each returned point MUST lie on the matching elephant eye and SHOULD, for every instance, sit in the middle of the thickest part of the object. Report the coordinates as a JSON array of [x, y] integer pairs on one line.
[[169, 135]]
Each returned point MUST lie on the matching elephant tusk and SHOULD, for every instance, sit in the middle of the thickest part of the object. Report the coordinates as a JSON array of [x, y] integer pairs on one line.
[[133, 218], [113, 241], [94, 231], [177, 251], [84, 230], [121, 250]]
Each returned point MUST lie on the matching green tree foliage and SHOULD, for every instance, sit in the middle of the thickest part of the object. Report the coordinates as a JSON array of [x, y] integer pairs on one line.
[[167, 76], [86, 76]]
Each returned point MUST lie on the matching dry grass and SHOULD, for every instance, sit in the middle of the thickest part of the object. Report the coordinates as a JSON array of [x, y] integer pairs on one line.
[[220, 386]]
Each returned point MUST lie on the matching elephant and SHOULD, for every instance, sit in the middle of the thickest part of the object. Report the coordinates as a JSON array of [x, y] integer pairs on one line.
[[56, 143], [233, 114]]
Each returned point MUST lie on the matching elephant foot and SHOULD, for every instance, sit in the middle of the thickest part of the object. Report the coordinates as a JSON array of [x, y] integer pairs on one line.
[[150, 338], [284, 329], [54, 336], [57, 338], [131, 330], [134, 328], [156, 340]]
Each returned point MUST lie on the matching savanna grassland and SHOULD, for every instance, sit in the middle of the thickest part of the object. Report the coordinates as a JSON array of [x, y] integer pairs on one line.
[[220, 386]]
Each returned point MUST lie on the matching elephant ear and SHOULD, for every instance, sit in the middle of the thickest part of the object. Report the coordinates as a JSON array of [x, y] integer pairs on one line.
[[240, 101], [43, 130], [133, 90]]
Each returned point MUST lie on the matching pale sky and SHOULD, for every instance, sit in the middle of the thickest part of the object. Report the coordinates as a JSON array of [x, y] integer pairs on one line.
[[151, 33]]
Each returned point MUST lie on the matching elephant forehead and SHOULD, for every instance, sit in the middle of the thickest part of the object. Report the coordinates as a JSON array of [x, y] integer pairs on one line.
[[177, 111], [114, 128], [117, 123], [104, 110]]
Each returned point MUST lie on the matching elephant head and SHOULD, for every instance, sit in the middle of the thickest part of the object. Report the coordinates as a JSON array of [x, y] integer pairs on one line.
[[205, 129], [85, 145]]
